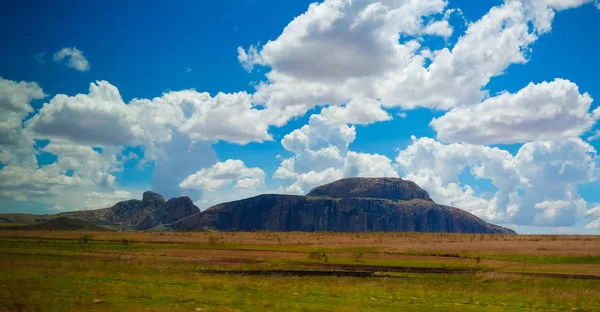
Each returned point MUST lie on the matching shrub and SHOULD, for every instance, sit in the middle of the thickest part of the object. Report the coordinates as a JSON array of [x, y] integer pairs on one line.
[[85, 239], [318, 255], [357, 256]]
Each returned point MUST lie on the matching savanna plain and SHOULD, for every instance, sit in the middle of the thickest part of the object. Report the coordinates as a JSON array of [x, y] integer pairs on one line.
[[265, 271]]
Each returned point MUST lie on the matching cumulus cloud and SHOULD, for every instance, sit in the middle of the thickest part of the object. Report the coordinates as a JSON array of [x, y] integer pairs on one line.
[[227, 116], [74, 58], [15, 105], [321, 149], [224, 173], [593, 216], [100, 117], [341, 50], [536, 186], [567, 4], [23, 183], [546, 111], [358, 111]]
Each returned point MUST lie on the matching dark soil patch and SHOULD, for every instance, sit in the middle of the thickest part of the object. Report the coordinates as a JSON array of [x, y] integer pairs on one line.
[[298, 273], [561, 275], [381, 268]]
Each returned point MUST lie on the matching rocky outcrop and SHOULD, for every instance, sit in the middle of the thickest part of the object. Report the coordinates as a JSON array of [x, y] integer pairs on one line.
[[151, 211], [388, 188], [178, 208], [129, 215], [348, 205]]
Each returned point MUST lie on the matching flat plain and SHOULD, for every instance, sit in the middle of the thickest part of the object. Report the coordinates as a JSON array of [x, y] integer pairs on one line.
[[266, 271]]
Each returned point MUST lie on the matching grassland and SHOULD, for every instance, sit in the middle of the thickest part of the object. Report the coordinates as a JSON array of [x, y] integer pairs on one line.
[[67, 271]]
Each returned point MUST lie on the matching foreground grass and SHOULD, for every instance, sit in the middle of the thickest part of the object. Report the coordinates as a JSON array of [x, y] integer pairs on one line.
[[49, 274]]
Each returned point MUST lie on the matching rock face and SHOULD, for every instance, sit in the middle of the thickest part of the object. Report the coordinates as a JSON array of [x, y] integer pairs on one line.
[[347, 205], [151, 211]]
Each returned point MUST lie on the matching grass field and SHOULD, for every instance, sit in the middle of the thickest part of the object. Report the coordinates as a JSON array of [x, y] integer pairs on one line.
[[69, 271]]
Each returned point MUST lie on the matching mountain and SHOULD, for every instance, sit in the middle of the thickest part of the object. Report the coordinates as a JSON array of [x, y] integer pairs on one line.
[[130, 215], [347, 205], [61, 224]]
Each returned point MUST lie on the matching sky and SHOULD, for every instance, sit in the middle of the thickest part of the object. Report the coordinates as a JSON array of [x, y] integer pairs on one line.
[[487, 105]]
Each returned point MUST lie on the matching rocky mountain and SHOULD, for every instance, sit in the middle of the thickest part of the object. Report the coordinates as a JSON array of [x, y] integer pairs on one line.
[[347, 205], [130, 215]]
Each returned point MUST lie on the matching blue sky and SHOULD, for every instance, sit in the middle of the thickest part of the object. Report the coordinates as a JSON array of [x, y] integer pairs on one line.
[[487, 105]]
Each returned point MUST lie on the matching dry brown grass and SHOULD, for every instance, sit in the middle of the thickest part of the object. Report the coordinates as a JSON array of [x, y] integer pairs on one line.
[[435, 243]]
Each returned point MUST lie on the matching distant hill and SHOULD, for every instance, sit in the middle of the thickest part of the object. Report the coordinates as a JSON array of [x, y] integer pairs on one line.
[[347, 205], [61, 224], [21, 218], [130, 215]]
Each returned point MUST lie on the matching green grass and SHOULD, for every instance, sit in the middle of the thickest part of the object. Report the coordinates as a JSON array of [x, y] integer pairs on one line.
[[136, 286], [67, 275]]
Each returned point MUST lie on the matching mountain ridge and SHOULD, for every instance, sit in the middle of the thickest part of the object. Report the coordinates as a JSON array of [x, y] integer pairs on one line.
[[346, 205]]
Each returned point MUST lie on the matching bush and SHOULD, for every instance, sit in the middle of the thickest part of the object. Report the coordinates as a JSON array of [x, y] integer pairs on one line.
[[318, 255], [357, 256], [85, 239]]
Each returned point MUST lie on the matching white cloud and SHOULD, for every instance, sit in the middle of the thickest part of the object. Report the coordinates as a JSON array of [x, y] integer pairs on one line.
[[566, 4], [75, 58], [15, 105], [223, 173], [358, 111], [23, 183], [306, 181], [338, 51], [537, 186], [90, 165], [321, 152], [594, 136], [439, 28], [226, 116], [100, 117], [250, 59], [368, 165], [546, 111], [593, 216]]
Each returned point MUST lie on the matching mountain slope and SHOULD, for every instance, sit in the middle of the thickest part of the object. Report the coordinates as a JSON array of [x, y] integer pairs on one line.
[[347, 205]]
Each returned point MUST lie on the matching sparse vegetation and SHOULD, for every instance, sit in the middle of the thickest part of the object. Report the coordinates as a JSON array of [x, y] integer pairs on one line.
[[84, 239], [293, 271]]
